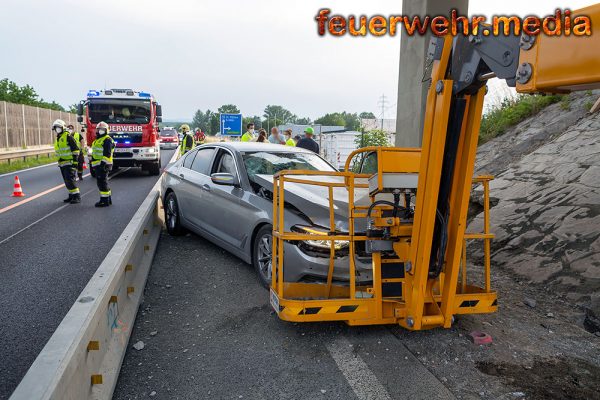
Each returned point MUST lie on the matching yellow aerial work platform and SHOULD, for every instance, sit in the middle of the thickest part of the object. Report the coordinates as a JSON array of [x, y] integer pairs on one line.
[[384, 300], [417, 242]]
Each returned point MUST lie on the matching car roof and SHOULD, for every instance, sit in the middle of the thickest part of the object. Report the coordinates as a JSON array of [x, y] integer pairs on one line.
[[258, 146]]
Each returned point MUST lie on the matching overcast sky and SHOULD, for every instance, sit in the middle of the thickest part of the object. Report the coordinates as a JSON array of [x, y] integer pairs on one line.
[[200, 54]]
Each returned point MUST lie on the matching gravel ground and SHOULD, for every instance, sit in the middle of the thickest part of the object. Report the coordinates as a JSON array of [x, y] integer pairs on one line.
[[208, 332]]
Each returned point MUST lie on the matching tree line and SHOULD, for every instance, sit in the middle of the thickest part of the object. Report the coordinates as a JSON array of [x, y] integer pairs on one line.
[[274, 115], [13, 93]]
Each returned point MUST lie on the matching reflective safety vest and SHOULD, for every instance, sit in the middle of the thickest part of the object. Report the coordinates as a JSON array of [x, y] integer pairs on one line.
[[77, 136], [98, 151], [290, 142], [185, 146], [63, 150], [247, 137]]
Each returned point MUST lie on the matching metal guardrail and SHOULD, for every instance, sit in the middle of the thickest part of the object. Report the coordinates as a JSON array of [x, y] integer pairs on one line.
[[16, 154], [83, 357]]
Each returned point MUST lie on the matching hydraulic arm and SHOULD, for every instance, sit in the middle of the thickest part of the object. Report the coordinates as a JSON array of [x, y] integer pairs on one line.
[[419, 197]]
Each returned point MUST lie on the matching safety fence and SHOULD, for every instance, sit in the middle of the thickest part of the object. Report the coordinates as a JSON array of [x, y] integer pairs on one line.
[[24, 126], [83, 357], [8, 156]]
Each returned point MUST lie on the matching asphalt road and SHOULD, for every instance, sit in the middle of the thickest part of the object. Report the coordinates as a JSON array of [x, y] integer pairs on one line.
[[48, 253], [209, 333]]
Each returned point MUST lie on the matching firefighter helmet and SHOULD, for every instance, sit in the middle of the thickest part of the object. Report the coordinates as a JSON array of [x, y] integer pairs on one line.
[[59, 122], [102, 125], [185, 128]]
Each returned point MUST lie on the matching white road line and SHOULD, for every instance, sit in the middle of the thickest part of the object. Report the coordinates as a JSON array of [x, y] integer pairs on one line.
[[26, 169], [54, 212], [365, 384]]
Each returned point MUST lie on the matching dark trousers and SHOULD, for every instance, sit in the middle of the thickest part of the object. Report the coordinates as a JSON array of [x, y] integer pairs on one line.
[[68, 175], [101, 172], [80, 161]]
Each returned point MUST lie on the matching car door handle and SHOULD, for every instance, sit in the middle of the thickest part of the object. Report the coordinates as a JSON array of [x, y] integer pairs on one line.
[[206, 187], [181, 175]]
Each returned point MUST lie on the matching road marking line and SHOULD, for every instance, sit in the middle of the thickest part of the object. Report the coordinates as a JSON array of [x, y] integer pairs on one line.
[[362, 380], [54, 212], [27, 169], [39, 220], [27, 200]]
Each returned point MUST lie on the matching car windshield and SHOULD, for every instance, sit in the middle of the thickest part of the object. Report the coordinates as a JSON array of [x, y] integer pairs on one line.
[[168, 132], [266, 163], [119, 111]]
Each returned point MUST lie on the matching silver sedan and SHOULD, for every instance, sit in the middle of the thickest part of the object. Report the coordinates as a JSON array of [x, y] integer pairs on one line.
[[223, 192]]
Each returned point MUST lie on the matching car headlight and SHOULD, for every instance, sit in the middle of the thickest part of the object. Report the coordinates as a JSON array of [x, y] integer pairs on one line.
[[318, 243]]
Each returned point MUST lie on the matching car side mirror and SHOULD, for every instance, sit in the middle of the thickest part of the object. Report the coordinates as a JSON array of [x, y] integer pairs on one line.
[[224, 178], [158, 110], [158, 119], [80, 109], [79, 119]]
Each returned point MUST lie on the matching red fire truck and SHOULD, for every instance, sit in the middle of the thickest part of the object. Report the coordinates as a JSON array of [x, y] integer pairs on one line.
[[133, 119]]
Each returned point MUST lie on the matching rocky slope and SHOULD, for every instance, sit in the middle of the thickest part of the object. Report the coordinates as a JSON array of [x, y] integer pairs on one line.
[[546, 202]]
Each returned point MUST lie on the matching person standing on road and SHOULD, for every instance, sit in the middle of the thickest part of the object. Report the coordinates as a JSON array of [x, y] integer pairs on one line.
[[307, 142], [102, 160], [288, 138], [187, 142], [275, 137], [249, 135], [67, 152], [81, 144]]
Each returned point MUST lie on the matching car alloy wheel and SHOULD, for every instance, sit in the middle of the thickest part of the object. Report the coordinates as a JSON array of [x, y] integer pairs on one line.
[[172, 218], [171, 213], [264, 255]]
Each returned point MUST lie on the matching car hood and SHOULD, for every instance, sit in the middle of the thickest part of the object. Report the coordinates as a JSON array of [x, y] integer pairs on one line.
[[313, 200]]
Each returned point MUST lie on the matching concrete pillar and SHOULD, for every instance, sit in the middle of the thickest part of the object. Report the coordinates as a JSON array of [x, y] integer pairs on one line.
[[412, 92]]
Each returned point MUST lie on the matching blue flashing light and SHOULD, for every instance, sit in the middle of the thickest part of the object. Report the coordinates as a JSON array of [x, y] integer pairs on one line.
[[144, 94], [127, 142], [93, 93]]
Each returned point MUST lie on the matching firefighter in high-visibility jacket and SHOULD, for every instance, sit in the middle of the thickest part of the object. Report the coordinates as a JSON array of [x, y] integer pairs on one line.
[[187, 142], [81, 144], [102, 160], [67, 152]]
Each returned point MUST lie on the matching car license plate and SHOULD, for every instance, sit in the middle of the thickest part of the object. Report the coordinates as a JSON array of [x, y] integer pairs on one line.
[[122, 150], [274, 301]]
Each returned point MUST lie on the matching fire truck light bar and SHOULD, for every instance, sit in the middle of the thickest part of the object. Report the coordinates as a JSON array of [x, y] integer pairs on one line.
[[110, 92]]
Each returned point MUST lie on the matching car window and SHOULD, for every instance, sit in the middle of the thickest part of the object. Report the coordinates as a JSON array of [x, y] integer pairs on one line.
[[225, 163], [187, 161], [202, 160], [262, 162], [369, 164]]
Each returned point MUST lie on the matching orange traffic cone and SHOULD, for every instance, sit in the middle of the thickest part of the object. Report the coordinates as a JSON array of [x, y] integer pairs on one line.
[[84, 165], [18, 192]]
